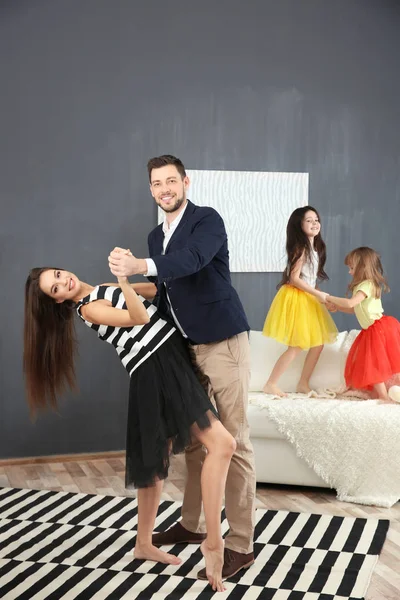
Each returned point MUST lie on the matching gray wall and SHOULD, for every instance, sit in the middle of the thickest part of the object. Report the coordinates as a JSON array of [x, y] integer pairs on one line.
[[90, 89]]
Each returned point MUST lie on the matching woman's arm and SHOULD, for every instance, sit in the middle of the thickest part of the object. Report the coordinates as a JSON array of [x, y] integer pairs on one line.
[[136, 308], [298, 282], [347, 304], [101, 313], [147, 290]]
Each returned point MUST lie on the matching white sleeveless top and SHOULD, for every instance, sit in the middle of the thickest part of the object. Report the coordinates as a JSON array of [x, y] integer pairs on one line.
[[309, 270]]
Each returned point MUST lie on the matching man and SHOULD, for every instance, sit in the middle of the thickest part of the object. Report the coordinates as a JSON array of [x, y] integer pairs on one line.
[[190, 265]]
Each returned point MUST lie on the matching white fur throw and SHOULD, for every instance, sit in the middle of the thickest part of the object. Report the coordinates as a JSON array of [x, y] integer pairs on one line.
[[353, 445]]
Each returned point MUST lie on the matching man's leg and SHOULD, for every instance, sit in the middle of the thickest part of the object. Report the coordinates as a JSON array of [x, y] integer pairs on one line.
[[227, 366], [225, 369], [191, 529]]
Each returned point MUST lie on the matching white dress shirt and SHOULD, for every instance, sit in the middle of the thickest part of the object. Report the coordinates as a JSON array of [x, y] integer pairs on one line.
[[168, 230]]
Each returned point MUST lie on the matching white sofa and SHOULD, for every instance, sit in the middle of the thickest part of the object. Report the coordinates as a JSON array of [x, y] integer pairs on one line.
[[276, 459]]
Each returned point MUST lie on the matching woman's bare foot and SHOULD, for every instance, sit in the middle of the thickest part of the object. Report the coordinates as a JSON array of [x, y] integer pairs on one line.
[[214, 558], [303, 388], [150, 552], [273, 390]]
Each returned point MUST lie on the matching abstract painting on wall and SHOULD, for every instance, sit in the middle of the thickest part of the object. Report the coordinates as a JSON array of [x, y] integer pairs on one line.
[[255, 207]]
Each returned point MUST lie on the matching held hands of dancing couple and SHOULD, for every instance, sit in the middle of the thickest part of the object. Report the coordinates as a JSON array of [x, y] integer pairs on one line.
[[122, 263], [118, 259]]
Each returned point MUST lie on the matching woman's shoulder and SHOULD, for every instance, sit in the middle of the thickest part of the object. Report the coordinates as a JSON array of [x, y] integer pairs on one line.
[[89, 297], [105, 289], [100, 292], [105, 294]]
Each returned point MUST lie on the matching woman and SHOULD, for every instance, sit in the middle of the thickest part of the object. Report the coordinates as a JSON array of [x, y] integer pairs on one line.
[[167, 404]]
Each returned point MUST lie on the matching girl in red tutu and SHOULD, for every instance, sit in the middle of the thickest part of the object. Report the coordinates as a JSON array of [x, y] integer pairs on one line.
[[375, 354]]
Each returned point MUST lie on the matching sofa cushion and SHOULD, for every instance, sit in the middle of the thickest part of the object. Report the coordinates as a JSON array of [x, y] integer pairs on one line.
[[328, 374], [260, 425]]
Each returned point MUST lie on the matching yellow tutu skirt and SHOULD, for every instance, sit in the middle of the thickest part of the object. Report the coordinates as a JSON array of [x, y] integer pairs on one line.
[[299, 319]]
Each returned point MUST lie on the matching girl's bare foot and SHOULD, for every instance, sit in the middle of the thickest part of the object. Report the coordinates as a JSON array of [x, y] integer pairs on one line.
[[273, 390], [381, 392], [214, 558], [150, 552], [303, 388]]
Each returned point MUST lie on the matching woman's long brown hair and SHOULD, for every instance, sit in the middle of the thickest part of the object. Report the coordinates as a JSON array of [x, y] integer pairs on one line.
[[49, 345], [366, 264], [297, 242]]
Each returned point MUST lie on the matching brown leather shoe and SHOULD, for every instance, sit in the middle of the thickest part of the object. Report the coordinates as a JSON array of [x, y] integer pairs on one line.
[[233, 563], [177, 534]]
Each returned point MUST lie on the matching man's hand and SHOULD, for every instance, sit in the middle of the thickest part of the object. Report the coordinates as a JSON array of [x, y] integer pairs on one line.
[[122, 263]]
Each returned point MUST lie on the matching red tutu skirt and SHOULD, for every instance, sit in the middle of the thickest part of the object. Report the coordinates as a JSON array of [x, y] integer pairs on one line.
[[375, 355]]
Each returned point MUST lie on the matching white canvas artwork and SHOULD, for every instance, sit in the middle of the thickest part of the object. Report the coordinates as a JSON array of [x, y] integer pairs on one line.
[[255, 207]]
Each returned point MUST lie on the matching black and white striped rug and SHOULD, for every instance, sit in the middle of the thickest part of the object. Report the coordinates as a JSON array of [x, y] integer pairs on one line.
[[57, 545]]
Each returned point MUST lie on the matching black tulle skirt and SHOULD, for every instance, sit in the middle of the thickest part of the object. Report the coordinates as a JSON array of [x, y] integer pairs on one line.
[[165, 400]]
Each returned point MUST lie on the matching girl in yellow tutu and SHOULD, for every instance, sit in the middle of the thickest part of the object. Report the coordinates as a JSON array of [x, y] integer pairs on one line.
[[297, 317]]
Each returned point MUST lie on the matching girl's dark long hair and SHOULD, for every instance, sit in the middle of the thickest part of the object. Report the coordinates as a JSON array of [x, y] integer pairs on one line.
[[49, 345], [297, 242]]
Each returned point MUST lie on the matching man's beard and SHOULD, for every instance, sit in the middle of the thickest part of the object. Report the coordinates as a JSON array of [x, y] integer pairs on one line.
[[174, 207]]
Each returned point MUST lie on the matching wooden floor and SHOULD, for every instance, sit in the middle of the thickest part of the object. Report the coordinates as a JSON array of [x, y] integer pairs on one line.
[[106, 476]]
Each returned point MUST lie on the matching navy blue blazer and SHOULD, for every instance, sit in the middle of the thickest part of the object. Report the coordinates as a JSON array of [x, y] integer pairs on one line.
[[195, 269]]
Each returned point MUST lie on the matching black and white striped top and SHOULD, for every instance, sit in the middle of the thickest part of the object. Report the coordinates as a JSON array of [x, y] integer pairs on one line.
[[133, 344]]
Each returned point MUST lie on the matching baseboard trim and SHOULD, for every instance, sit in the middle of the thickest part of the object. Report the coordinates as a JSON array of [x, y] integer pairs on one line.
[[35, 460]]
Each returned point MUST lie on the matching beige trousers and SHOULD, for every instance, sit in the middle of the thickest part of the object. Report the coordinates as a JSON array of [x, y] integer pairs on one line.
[[224, 368]]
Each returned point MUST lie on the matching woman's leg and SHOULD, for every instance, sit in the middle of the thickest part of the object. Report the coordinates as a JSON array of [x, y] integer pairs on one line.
[[303, 387], [281, 365], [220, 447], [148, 502]]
